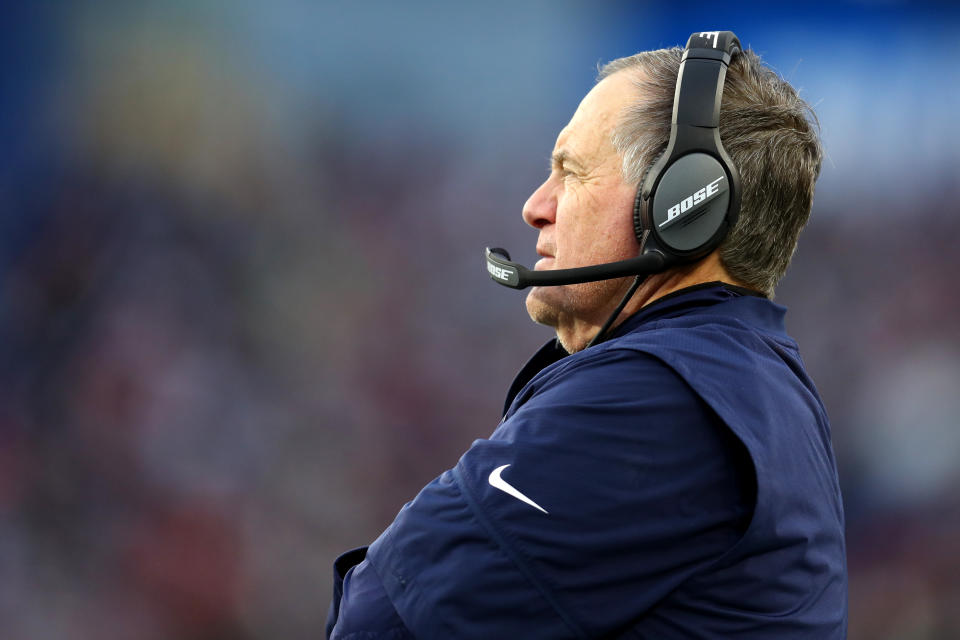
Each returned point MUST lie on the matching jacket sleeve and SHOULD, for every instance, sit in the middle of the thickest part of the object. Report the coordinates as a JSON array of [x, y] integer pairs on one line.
[[360, 609]]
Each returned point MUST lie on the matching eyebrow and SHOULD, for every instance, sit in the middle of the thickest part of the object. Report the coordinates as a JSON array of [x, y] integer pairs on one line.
[[561, 156]]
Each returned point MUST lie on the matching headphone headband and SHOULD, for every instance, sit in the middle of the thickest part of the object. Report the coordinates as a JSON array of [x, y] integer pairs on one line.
[[700, 79], [714, 42]]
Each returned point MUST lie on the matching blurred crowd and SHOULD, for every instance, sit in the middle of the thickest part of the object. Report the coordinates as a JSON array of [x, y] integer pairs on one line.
[[231, 349]]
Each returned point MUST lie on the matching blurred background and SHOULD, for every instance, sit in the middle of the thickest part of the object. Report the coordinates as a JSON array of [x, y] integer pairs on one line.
[[244, 315]]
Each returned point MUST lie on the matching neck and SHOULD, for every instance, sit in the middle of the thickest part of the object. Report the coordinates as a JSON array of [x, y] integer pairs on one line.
[[579, 334]]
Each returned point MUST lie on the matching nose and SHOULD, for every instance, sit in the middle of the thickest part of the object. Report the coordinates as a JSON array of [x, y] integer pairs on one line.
[[540, 209]]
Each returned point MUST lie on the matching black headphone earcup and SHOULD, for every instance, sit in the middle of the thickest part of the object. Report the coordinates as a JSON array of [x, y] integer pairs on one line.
[[686, 216], [638, 226]]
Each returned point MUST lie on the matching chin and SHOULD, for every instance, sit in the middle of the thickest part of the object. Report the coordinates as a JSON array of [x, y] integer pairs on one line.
[[540, 308], [589, 301]]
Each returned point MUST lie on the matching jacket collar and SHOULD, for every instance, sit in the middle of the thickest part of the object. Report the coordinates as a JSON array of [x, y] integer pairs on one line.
[[754, 308]]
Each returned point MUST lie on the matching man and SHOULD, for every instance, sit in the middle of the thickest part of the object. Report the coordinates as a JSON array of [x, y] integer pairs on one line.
[[670, 476]]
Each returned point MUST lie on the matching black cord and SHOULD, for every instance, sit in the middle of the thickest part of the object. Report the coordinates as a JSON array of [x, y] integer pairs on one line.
[[600, 337]]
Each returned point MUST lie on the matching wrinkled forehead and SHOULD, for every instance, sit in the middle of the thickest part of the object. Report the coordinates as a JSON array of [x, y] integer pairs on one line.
[[588, 134]]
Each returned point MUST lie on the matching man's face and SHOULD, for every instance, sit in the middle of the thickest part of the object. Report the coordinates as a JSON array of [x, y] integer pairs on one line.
[[584, 212]]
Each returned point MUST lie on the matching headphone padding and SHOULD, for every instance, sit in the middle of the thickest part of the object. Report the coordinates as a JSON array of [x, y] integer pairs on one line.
[[638, 227]]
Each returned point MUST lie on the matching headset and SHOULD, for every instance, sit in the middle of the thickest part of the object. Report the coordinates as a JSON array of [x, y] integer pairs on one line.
[[689, 197]]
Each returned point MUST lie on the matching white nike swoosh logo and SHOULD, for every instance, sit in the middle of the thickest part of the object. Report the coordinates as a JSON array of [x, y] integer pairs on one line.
[[496, 481]]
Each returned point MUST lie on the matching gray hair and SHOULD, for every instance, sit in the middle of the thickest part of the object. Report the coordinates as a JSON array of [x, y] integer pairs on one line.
[[770, 133]]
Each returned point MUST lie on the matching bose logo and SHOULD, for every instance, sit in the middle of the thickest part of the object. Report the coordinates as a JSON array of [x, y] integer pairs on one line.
[[711, 34], [500, 273], [684, 205]]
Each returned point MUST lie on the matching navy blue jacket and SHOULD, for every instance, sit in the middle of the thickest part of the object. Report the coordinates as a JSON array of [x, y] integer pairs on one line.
[[675, 481]]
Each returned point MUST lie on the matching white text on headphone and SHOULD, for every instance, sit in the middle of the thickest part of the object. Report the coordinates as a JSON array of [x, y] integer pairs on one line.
[[703, 194]]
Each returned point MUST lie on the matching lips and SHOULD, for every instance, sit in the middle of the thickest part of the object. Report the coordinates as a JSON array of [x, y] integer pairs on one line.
[[546, 253], [543, 263], [546, 250]]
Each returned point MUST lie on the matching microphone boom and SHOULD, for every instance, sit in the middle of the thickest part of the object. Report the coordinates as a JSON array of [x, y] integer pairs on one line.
[[516, 276]]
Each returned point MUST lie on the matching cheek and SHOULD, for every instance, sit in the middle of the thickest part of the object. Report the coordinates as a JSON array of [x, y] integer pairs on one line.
[[576, 239], [622, 238], [595, 226], [627, 234]]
